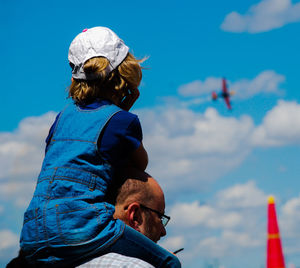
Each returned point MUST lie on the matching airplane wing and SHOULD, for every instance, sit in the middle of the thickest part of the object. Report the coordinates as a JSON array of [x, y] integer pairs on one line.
[[226, 94], [224, 86], [228, 102]]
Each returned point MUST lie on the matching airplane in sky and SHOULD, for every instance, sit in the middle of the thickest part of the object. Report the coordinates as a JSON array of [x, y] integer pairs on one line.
[[225, 94]]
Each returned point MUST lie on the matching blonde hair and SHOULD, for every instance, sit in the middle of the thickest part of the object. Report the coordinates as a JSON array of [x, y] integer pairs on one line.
[[127, 75]]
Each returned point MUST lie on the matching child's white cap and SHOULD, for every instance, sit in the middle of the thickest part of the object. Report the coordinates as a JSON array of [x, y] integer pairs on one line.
[[96, 42]]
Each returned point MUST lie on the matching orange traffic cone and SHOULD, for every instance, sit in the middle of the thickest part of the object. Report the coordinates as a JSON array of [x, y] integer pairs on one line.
[[275, 257]]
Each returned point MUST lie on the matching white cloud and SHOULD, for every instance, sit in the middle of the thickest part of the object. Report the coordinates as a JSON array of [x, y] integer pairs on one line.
[[173, 243], [179, 102], [9, 245], [242, 196], [280, 126], [227, 243], [188, 150], [233, 223], [21, 151], [221, 228], [20, 193], [21, 155], [267, 82], [8, 239], [212, 243], [225, 212], [192, 214], [290, 218], [197, 147], [197, 88], [191, 133], [262, 17]]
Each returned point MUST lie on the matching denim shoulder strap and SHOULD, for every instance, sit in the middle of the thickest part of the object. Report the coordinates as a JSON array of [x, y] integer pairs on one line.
[[77, 124]]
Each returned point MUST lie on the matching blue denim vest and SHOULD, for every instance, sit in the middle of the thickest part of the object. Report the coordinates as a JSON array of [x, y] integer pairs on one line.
[[68, 215]]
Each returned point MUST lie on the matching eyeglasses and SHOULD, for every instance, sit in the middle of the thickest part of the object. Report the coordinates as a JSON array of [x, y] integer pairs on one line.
[[164, 218]]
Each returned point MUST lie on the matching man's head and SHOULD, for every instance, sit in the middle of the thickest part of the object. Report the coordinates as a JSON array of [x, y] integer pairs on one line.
[[140, 204]]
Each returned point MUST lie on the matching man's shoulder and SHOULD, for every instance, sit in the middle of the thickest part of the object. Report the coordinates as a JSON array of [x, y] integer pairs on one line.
[[115, 260]]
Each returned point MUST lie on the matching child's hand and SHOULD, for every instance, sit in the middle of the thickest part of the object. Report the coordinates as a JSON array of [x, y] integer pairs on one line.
[[129, 99]]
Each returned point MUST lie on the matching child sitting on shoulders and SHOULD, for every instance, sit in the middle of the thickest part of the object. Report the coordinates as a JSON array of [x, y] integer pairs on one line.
[[69, 220]]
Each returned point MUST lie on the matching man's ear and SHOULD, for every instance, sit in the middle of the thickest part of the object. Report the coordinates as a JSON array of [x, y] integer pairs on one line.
[[134, 216]]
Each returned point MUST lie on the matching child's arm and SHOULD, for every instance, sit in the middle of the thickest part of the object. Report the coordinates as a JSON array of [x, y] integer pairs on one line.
[[139, 158]]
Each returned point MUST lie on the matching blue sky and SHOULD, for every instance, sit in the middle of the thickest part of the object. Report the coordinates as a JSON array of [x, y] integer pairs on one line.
[[217, 167]]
